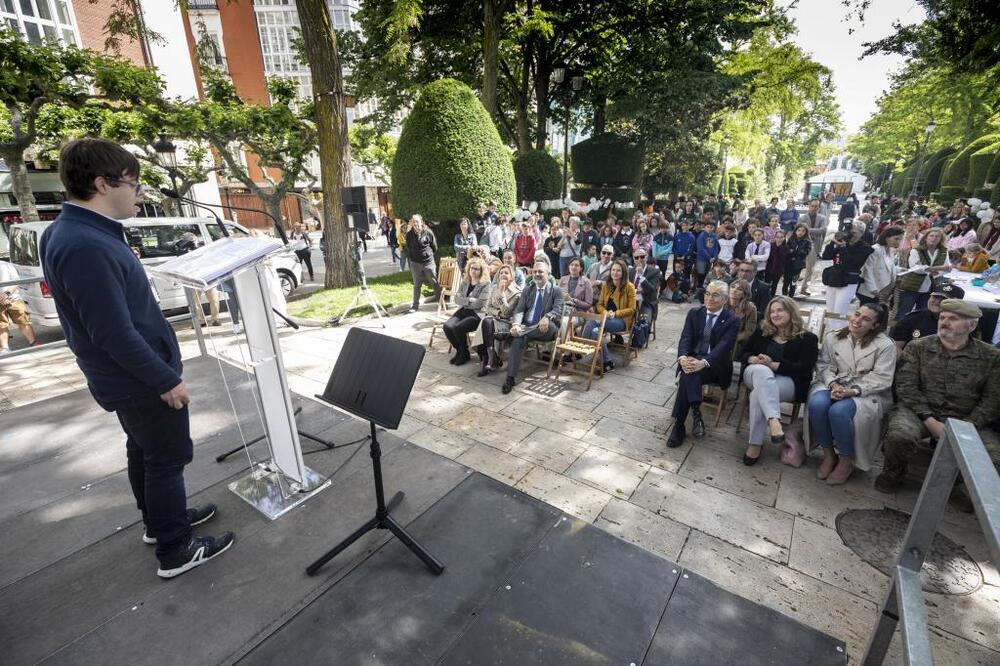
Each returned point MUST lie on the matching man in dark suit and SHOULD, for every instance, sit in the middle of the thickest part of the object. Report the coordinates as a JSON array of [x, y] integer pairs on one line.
[[537, 317], [646, 279], [760, 291], [705, 356]]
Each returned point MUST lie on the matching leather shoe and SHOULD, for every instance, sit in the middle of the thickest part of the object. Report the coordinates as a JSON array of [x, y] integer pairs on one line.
[[676, 437], [507, 385], [886, 483], [697, 425], [750, 462]]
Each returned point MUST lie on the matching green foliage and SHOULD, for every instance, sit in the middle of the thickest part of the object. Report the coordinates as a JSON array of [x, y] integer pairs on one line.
[[957, 173], [607, 160], [538, 175], [450, 157], [949, 193], [935, 167], [627, 195], [979, 166], [993, 173], [372, 148]]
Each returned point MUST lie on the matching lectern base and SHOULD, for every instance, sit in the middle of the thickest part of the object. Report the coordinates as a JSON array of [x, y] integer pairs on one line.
[[272, 493]]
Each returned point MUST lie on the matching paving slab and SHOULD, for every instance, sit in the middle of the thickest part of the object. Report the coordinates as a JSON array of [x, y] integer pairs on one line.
[[802, 494], [624, 407], [495, 463], [573, 497], [490, 427], [651, 531], [570, 421], [637, 443], [739, 521], [820, 552], [608, 471], [726, 471], [549, 449], [447, 443]]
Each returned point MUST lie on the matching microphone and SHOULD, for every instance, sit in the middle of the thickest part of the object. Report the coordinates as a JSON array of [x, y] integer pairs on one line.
[[173, 194], [277, 225]]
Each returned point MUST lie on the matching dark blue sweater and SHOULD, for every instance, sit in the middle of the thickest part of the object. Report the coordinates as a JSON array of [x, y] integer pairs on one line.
[[113, 324]]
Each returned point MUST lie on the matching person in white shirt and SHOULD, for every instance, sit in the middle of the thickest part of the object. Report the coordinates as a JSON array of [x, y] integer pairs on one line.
[[758, 251], [301, 244], [12, 306], [727, 244]]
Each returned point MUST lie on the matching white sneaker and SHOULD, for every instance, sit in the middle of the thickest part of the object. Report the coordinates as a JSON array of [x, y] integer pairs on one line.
[[4, 350]]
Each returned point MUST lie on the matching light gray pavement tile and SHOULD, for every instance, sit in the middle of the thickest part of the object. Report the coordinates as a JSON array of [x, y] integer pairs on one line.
[[41, 391], [973, 616], [818, 604], [407, 426], [727, 472], [624, 407], [471, 392], [948, 649], [608, 471], [443, 442], [749, 525], [564, 419], [304, 385], [495, 463], [564, 493], [905, 500], [635, 389], [641, 368], [636, 443], [644, 528], [428, 376], [563, 391], [802, 494], [434, 409], [820, 552], [549, 449], [498, 430], [975, 545]]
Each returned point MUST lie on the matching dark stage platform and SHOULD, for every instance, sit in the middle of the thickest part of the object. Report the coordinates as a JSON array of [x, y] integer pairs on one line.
[[524, 583]]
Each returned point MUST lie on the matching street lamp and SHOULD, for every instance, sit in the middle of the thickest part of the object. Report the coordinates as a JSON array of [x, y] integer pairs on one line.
[[918, 181], [166, 155]]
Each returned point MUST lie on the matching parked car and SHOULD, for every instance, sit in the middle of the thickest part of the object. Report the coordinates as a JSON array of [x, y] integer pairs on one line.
[[155, 240]]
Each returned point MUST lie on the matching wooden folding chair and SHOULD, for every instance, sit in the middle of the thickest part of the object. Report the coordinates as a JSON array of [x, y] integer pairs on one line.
[[447, 274], [570, 343], [715, 398], [542, 347]]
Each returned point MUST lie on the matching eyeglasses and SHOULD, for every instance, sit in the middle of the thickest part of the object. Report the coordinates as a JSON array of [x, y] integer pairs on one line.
[[638, 256], [605, 254], [134, 183]]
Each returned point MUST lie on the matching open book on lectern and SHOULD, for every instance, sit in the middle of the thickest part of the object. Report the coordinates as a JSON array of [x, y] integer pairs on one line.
[[204, 267]]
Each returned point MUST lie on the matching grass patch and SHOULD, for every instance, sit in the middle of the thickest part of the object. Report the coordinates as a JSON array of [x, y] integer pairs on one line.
[[390, 290]]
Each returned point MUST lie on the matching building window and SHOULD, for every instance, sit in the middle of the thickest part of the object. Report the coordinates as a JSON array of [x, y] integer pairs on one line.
[[40, 20]]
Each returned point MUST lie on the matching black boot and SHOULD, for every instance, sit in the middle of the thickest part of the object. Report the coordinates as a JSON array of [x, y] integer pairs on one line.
[[676, 437], [484, 365], [697, 423]]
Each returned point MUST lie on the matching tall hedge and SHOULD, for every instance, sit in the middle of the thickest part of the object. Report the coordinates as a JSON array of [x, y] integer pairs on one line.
[[538, 175], [993, 173], [607, 160], [935, 167], [979, 166], [450, 157], [957, 173]]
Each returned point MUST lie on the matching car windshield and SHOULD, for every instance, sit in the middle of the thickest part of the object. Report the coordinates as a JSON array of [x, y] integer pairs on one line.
[[216, 233], [160, 240]]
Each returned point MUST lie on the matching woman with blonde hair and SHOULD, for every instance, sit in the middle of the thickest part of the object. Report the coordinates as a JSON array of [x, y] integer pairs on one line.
[[497, 315], [926, 261], [778, 362], [741, 305], [471, 296]]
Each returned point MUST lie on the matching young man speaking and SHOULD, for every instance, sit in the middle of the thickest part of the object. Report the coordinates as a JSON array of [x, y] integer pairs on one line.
[[124, 345]]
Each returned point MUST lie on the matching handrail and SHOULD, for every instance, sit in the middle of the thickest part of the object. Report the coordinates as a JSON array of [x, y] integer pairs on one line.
[[960, 449]]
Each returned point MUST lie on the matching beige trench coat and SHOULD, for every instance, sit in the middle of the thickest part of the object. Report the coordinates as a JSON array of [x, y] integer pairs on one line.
[[871, 368]]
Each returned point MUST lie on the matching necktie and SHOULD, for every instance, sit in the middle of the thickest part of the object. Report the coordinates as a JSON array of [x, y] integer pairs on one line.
[[706, 334], [536, 312]]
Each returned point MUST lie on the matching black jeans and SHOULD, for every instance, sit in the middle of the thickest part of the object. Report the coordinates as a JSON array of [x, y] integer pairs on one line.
[[305, 256], [158, 447], [462, 322]]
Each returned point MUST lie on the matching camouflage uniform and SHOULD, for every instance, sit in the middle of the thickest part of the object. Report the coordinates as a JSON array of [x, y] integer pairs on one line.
[[932, 380]]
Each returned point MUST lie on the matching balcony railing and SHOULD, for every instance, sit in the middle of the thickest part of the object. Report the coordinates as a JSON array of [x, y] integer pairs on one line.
[[201, 5]]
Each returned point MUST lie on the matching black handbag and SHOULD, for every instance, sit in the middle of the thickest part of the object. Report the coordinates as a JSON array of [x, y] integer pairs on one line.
[[835, 276]]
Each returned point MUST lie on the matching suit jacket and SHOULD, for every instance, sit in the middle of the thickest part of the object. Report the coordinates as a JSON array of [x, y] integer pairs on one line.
[[552, 303], [649, 288], [721, 341], [817, 231]]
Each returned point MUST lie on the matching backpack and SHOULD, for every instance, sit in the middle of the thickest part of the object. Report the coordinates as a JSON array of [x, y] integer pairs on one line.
[[640, 333]]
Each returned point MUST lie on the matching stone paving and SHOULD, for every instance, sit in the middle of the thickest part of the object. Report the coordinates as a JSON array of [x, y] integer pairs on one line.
[[767, 533]]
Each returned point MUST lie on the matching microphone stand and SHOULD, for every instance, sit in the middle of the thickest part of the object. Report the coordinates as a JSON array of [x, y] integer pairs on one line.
[[277, 225]]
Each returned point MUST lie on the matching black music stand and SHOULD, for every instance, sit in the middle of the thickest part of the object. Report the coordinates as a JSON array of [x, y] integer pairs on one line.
[[372, 380]]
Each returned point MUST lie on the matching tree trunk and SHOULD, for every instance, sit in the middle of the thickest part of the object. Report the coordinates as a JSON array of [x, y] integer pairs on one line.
[[542, 75], [492, 14], [600, 113], [21, 187], [523, 97], [320, 45]]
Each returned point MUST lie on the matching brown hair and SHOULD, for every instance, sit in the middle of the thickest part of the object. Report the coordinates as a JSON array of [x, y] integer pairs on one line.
[[484, 272], [83, 160], [795, 325], [932, 230], [881, 321]]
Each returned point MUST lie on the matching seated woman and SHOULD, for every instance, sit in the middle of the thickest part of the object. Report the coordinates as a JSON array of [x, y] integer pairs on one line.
[[617, 299], [510, 260], [778, 362], [851, 394], [975, 259], [497, 313], [577, 289], [471, 296], [741, 306]]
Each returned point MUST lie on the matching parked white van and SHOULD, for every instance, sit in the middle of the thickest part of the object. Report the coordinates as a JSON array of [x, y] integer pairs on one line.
[[155, 239]]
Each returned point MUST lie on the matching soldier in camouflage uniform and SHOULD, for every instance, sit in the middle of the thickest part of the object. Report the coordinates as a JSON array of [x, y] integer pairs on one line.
[[948, 375]]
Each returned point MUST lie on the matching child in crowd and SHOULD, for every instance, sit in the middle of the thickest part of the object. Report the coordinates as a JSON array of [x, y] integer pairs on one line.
[[590, 258], [684, 242], [679, 282]]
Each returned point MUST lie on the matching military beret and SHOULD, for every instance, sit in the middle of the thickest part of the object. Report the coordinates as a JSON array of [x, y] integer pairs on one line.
[[960, 307], [948, 290]]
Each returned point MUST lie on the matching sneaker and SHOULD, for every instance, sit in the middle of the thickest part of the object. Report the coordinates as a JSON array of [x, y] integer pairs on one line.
[[197, 552], [196, 516]]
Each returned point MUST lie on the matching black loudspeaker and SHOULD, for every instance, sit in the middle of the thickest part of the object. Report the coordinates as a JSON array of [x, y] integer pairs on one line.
[[354, 199]]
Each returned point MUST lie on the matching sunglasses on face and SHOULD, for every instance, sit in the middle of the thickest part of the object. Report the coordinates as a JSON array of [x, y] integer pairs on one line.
[[605, 254]]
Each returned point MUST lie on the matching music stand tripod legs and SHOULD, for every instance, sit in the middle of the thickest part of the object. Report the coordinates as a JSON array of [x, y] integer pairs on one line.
[[382, 520], [328, 444]]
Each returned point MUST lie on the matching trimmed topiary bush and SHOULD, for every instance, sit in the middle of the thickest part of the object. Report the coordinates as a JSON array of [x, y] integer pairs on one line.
[[607, 160], [449, 158], [983, 193], [934, 169], [616, 194], [979, 166], [995, 197], [957, 172], [949, 193], [993, 173], [539, 176]]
